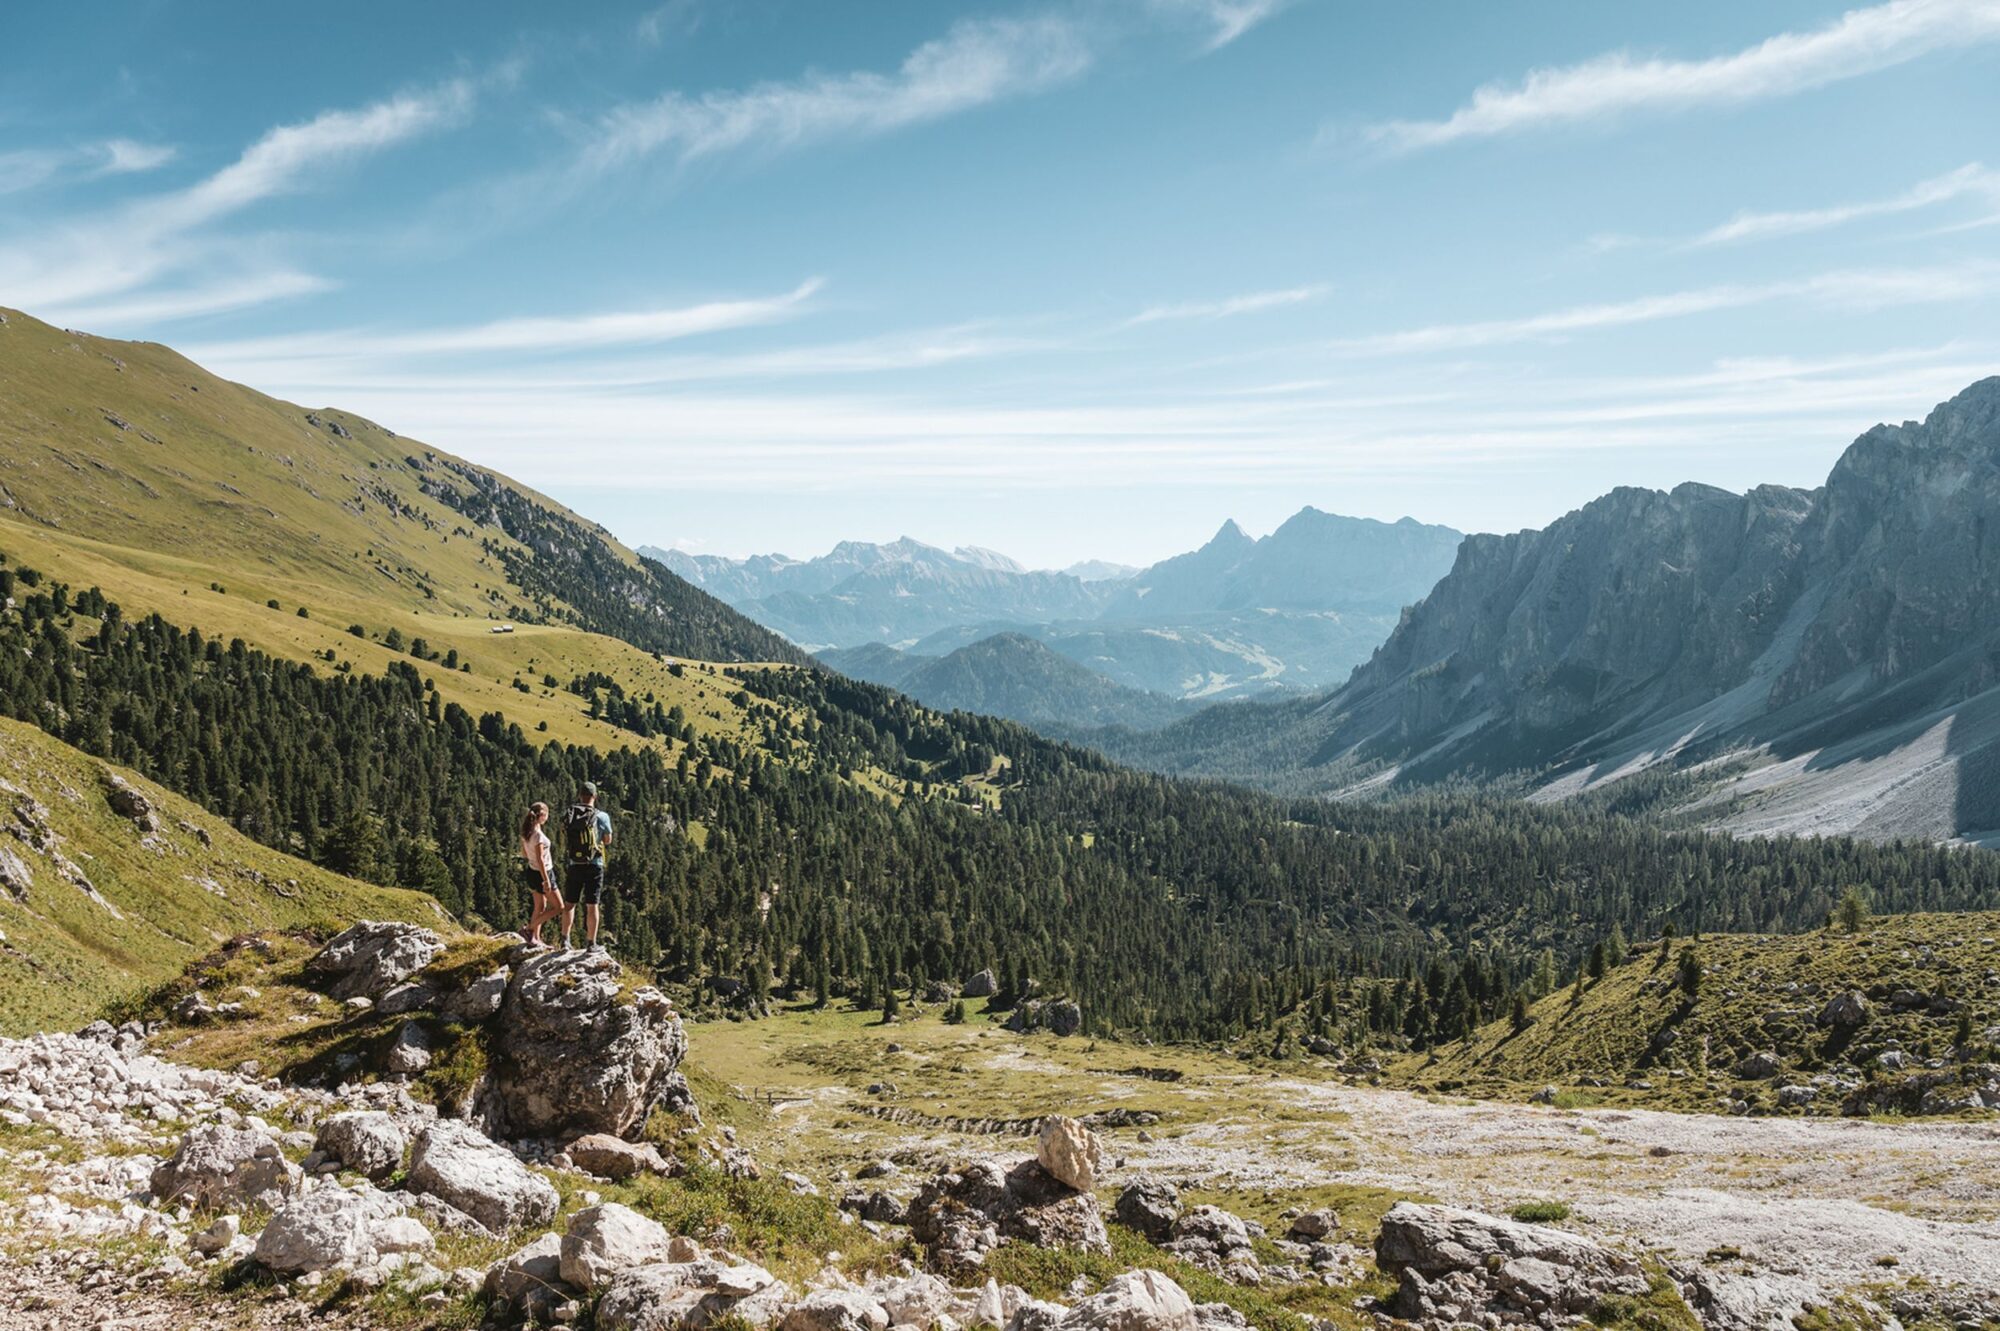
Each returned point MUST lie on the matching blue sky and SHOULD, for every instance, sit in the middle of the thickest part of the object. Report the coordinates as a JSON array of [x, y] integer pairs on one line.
[[1066, 280]]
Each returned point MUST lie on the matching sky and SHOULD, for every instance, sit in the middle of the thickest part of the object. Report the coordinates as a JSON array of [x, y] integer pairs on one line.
[[1069, 279]]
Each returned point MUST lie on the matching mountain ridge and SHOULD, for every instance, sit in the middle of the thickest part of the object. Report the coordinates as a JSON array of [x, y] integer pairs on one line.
[[1837, 641]]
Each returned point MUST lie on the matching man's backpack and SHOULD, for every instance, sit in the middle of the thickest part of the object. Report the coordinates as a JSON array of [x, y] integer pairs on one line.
[[581, 841]]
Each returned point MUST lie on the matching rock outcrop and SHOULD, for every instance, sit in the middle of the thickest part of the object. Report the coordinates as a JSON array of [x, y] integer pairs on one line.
[[1456, 1265], [575, 1056], [368, 958], [962, 1215]]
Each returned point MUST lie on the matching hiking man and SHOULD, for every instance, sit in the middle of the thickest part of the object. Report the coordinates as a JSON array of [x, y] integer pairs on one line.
[[586, 831]]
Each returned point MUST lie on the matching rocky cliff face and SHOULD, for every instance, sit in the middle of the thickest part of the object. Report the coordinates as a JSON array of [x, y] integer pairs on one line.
[[1649, 627]]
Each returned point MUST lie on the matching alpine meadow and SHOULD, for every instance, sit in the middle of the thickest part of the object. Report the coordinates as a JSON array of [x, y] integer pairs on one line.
[[1033, 666]]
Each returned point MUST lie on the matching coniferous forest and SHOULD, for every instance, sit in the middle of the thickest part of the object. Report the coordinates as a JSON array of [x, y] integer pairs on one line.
[[1165, 907]]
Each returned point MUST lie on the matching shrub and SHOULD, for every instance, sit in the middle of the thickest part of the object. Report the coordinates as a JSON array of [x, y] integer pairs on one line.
[[1540, 1213]]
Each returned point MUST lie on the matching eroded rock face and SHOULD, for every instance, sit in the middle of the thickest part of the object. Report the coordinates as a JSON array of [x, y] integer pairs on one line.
[[223, 1168], [365, 1140], [1455, 1264], [573, 1057], [458, 1164], [1069, 1151], [370, 957]]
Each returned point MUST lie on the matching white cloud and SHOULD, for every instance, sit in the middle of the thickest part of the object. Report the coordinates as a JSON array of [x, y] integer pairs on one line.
[[1852, 289], [166, 306], [1861, 41], [360, 350], [127, 156], [29, 168], [1972, 180], [68, 267], [1223, 309], [277, 162], [976, 63], [1225, 20]]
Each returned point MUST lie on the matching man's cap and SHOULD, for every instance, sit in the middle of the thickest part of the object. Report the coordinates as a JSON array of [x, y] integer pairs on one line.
[[589, 789]]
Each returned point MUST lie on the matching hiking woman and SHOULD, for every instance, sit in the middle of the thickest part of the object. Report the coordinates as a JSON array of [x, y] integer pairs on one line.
[[539, 873]]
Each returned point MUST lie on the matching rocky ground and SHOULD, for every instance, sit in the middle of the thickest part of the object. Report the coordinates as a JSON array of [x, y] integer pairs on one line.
[[849, 1176]]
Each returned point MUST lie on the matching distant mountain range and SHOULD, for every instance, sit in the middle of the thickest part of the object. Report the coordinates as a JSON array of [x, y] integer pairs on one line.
[[1010, 675], [1822, 660], [1294, 611]]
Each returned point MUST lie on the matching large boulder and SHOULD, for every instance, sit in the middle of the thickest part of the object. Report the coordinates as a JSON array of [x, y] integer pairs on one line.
[[606, 1239], [1070, 1152], [337, 1228], [372, 956], [575, 1056], [458, 1164], [1455, 1265], [1149, 1206], [983, 985], [217, 1168], [1141, 1300], [367, 1141]]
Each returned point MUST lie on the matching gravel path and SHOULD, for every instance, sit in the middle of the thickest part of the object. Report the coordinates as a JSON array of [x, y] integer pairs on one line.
[[1834, 1203]]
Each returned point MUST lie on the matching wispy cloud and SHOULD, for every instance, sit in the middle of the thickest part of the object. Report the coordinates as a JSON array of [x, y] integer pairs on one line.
[[1851, 289], [1224, 20], [1223, 309], [1861, 41], [165, 306], [30, 168], [542, 335], [125, 156], [976, 63], [111, 265], [280, 160], [1970, 181]]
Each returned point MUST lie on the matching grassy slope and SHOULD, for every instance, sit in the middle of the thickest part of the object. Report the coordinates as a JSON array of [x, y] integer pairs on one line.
[[1757, 993], [213, 483], [66, 956]]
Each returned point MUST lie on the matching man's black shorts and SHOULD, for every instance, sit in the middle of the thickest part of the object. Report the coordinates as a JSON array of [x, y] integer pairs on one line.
[[583, 884]]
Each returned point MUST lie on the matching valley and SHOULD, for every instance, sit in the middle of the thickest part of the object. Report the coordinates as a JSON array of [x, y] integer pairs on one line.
[[228, 745]]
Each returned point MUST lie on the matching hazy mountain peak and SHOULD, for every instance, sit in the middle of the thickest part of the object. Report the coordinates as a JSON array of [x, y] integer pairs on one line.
[[988, 559], [1229, 535]]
